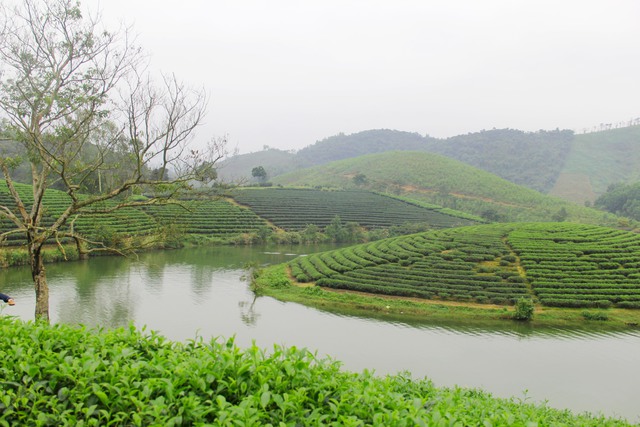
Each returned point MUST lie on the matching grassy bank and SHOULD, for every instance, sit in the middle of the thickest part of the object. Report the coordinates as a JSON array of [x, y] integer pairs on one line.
[[62, 375], [276, 281]]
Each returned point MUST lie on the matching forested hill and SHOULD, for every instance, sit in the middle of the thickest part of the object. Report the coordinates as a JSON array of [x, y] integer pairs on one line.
[[598, 160], [532, 159], [343, 146]]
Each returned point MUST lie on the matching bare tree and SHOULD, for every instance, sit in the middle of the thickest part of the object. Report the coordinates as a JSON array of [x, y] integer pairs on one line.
[[79, 101]]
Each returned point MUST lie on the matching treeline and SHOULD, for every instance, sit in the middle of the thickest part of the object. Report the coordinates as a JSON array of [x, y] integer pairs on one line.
[[621, 199], [531, 159], [343, 146], [337, 231]]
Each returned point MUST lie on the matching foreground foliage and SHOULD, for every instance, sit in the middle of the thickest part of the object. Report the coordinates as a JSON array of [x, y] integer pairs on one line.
[[61, 375]]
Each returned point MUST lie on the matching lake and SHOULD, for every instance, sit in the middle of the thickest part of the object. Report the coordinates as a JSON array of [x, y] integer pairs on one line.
[[201, 292]]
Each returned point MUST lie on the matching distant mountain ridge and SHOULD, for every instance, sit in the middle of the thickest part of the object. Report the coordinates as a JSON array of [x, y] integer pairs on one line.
[[533, 159], [578, 168]]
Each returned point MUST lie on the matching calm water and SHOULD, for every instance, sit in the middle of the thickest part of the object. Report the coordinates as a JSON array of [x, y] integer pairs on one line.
[[200, 292]]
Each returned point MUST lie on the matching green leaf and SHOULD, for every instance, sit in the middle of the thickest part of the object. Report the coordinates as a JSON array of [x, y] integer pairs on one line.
[[265, 398]]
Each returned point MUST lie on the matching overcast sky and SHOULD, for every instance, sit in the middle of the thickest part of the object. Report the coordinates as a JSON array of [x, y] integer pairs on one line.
[[286, 73]]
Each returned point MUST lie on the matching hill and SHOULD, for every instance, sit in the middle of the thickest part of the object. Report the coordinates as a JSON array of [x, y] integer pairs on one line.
[[443, 181], [555, 264], [596, 161], [532, 159], [343, 146], [276, 162]]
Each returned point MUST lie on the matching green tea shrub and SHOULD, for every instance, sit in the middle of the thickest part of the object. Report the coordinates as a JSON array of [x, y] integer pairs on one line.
[[628, 304], [599, 315], [603, 303], [313, 290], [64, 375], [524, 309]]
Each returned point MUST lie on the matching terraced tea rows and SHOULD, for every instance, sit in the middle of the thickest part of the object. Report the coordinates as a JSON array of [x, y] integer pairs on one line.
[[556, 264], [442, 264], [217, 218], [213, 218], [572, 265], [124, 222], [294, 209]]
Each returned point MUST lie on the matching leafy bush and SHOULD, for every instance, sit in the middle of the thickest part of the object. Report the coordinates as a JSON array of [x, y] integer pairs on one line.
[[599, 315], [524, 309], [51, 376]]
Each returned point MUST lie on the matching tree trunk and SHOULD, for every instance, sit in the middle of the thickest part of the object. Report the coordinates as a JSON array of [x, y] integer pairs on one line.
[[39, 275], [82, 254]]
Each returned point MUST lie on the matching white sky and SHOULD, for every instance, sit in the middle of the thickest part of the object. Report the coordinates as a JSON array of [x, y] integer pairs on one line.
[[287, 73]]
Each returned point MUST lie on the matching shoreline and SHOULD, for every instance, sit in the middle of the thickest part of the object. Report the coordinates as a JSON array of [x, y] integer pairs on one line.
[[274, 281]]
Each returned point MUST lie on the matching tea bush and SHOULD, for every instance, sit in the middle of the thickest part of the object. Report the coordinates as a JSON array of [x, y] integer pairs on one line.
[[64, 375], [524, 309]]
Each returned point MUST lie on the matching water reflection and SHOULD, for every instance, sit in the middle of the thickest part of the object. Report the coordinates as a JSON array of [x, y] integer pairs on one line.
[[200, 292], [248, 312], [101, 294]]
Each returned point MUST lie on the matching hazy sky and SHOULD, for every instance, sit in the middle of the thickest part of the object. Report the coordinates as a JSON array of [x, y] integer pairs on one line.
[[287, 73]]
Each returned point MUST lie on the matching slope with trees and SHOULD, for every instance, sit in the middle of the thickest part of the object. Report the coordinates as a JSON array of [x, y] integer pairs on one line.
[[343, 146], [531, 159], [598, 160], [621, 199], [239, 168]]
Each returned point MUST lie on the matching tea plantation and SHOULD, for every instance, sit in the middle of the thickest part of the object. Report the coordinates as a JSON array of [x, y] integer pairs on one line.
[[214, 218], [294, 209], [556, 264], [288, 209], [217, 218], [124, 222]]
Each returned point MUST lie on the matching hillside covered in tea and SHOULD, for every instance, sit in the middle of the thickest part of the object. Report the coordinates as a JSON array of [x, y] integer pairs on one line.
[[555, 264], [294, 209], [439, 180]]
